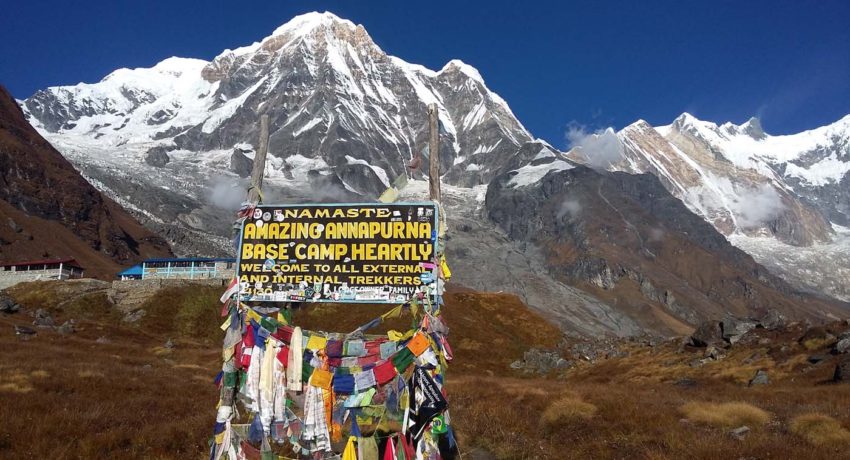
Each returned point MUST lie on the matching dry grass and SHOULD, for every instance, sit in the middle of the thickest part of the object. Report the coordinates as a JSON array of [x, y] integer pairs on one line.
[[567, 410], [69, 397], [15, 381], [816, 343], [729, 414], [820, 430], [64, 397]]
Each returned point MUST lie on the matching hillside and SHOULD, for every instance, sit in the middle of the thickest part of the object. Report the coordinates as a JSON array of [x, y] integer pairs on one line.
[[639, 398], [626, 240], [47, 209]]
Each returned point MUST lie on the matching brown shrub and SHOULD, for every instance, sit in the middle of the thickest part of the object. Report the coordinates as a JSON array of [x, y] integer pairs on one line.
[[566, 410], [816, 343], [725, 414], [820, 430]]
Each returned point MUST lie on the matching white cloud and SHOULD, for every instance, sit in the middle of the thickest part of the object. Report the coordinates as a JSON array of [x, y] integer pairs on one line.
[[570, 207], [757, 206], [600, 149], [226, 194]]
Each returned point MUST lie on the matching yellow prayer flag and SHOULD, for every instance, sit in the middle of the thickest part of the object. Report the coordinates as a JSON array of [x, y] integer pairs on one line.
[[253, 315], [444, 268], [394, 313], [350, 452], [316, 342], [396, 336]]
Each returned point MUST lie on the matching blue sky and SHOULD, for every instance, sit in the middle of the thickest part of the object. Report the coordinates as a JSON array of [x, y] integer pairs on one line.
[[556, 63]]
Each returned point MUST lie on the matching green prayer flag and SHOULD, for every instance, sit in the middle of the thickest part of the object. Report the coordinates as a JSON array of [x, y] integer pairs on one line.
[[269, 324], [229, 379], [403, 359], [306, 371]]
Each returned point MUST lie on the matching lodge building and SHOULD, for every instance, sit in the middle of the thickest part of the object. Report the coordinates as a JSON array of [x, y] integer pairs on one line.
[[186, 268], [12, 273]]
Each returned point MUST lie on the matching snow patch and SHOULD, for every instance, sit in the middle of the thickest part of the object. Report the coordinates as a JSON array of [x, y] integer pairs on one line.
[[310, 124], [528, 174]]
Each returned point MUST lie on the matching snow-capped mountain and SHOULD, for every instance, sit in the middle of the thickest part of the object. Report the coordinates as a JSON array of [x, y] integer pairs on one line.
[[760, 190], [168, 142], [345, 120], [336, 101]]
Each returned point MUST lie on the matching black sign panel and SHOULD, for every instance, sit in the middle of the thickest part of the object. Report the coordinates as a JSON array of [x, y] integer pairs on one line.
[[375, 252]]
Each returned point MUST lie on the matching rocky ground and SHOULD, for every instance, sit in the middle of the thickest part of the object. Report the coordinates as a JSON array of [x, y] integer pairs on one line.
[[78, 374]]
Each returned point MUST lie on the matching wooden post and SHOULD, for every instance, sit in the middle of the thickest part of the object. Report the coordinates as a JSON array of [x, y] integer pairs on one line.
[[259, 161], [434, 148]]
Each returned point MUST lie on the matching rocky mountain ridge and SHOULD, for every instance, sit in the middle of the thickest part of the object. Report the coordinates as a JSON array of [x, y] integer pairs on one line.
[[768, 194], [623, 238], [174, 142]]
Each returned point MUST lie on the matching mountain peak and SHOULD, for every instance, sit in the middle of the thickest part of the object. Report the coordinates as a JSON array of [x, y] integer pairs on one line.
[[302, 26], [753, 128], [639, 125], [464, 68], [685, 119], [305, 23]]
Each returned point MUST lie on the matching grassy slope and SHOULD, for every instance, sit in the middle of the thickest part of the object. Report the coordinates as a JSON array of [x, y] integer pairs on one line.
[[71, 397]]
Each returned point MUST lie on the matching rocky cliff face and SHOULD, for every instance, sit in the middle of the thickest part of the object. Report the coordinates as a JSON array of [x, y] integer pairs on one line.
[[748, 197], [628, 241], [47, 209], [770, 195]]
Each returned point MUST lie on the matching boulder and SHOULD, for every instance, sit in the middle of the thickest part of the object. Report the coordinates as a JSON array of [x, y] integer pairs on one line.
[[734, 328], [772, 320], [67, 327], [541, 361], [157, 156], [585, 351], [8, 304], [842, 371], [43, 318], [760, 378], [169, 344], [23, 330], [240, 163], [842, 346], [707, 333]]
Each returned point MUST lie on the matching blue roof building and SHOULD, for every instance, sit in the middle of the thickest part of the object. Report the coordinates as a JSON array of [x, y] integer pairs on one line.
[[132, 273], [181, 268]]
